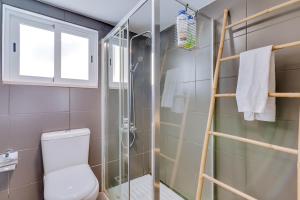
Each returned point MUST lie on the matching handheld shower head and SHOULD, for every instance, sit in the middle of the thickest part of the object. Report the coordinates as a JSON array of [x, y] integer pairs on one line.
[[140, 60]]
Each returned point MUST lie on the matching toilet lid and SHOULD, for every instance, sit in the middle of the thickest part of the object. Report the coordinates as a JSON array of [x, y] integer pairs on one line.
[[71, 183]]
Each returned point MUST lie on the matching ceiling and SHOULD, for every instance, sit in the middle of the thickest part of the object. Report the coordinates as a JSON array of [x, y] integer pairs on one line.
[[113, 11]]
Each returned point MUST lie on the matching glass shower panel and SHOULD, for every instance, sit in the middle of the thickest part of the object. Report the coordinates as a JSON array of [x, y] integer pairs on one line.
[[116, 136], [186, 81], [140, 102]]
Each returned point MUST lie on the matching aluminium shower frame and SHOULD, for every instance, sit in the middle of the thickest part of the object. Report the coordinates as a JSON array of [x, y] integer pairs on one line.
[[155, 87]]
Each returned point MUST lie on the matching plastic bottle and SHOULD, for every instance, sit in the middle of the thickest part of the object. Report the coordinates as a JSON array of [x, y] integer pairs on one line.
[[182, 28], [191, 40]]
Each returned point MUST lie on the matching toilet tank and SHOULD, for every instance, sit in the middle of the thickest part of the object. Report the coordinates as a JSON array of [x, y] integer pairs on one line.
[[63, 149]]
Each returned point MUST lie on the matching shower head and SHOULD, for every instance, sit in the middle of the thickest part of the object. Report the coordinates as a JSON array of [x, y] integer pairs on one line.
[[140, 60]]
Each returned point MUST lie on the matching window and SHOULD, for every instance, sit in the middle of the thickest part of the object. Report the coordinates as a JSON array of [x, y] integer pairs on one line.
[[116, 54], [44, 51]]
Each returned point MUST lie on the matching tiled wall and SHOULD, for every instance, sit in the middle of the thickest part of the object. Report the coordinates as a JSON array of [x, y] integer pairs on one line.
[[27, 111], [262, 173]]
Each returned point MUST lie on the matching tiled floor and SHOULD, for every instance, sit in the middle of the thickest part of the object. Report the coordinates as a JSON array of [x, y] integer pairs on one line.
[[141, 189]]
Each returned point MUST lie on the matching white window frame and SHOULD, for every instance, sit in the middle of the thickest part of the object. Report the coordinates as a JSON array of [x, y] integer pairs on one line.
[[12, 17]]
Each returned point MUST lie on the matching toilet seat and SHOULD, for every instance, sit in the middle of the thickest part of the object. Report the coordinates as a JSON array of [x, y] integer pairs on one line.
[[72, 183]]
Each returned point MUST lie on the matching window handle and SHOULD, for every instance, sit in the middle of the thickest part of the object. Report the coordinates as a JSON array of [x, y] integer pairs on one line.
[[92, 59], [14, 47]]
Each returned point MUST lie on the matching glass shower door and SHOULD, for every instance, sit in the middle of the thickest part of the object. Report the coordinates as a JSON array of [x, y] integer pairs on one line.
[[130, 92], [117, 134]]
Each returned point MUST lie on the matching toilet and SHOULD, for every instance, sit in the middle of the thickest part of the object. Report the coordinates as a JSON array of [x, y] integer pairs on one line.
[[67, 175]]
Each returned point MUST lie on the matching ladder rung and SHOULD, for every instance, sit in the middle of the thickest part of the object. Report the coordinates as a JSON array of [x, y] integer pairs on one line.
[[276, 47], [170, 124], [261, 144], [167, 157], [229, 188], [271, 94], [272, 9]]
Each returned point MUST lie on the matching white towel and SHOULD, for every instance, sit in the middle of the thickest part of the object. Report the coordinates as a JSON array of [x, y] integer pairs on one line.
[[169, 88], [257, 78], [173, 93]]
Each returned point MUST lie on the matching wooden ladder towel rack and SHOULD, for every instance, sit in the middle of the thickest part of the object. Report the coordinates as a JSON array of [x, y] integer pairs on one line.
[[209, 132]]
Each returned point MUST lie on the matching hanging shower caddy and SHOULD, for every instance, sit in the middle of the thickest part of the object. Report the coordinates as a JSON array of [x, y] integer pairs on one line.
[[186, 29]]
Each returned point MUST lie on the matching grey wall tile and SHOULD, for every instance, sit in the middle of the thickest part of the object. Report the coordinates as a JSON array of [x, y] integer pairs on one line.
[[280, 133], [4, 182], [231, 169], [232, 47], [231, 124], [180, 58], [136, 168], [188, 168], [38, 99], [4, 99], [4, 133], [112, 169], [147, 141], [26, 129], [204, 31], [95, 151], [287, 81], [29, 169], [97, 171], [203, 63], [83, 99], [227, 105], [166, 168], [86, 120], [147, 162], [169, 130], [224, 194], [262, 179], [169, 145], [282, 15], [272, 35], [167, 116], [57, 121], [237, 12], [32, 191], [195, 128], [112, 148], [203, 95]]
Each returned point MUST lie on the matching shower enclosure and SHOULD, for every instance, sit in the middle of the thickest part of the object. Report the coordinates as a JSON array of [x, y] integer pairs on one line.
[[151, 150]]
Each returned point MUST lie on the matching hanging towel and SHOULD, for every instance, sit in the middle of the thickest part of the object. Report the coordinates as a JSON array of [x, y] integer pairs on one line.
[[173, 93], [256, 78], [169, 88]]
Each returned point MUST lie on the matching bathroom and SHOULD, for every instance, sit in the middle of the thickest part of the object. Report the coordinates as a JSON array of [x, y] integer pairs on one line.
[[101, 100]]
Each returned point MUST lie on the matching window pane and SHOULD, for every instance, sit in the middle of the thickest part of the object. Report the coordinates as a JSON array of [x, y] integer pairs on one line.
[[117, 64], [36, 52], [74, 57]]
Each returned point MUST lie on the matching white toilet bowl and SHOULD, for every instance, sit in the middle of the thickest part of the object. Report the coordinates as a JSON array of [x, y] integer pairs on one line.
[[72, 183], [67, 173]]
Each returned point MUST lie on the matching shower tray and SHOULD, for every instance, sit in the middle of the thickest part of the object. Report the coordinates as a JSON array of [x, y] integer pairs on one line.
[[141, 188]]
